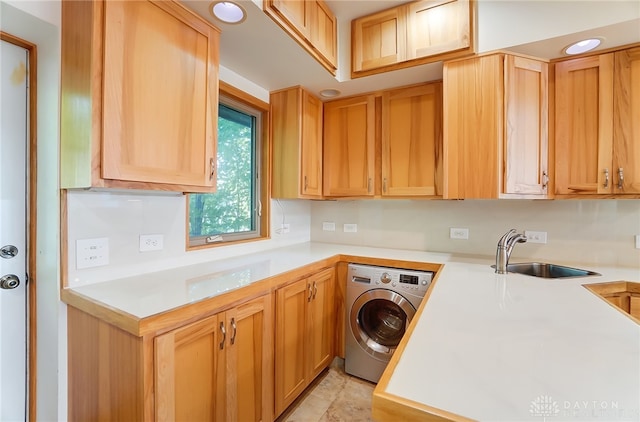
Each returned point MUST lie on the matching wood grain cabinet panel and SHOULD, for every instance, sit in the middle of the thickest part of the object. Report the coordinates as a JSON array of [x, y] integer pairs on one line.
[[412, 141], [349, 146], [597, 133], [219, 368], [413, 33], [496, 127], [304, 333], [139, 96], [626, 120], [437, 27], [312, 24], [296, 136], [379, 39]]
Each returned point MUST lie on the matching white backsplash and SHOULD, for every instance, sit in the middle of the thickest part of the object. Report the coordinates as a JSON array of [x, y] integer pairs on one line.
[[123, 216], [598, 232]]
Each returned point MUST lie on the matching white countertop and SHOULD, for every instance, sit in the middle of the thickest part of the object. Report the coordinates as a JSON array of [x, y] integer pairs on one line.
[[487, 346]]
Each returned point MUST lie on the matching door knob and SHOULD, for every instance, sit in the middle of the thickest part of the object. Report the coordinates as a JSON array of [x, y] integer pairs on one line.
[[8, 251], [9, 281]]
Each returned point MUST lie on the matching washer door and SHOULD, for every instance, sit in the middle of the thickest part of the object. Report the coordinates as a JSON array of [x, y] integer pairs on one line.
[[378, 320]]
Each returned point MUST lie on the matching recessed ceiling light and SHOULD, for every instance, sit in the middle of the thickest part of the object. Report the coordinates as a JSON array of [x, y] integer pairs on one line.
[[583, 46], [228, 12], [329, 93]]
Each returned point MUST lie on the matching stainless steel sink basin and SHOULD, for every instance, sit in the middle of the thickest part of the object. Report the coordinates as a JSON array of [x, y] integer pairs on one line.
[[545, 270]]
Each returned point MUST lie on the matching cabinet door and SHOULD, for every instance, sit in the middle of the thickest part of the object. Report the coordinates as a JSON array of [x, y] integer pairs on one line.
[[584, 125], [187, 373], [626, 124], [634, 305], [311, 146], [160, 95], [249, 357], [436, 27], [412, 141], [321, 322], [473, 127], [379, 39], [294, 12], [324, 31], [291, 313], [526, 126], [349, 146]]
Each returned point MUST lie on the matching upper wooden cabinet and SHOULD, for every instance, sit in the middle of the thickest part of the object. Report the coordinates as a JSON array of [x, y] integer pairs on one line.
[[384, 144], [597, 136], [312, 24], [412, 141], [218, 368], [349, 146], [496, 127], [139, 87], [411, 34], [296, 136]]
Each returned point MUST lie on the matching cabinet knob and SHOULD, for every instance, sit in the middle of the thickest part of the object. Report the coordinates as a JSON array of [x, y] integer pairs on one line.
[[606, 178], [305, 184], [235, 329], [545, 180]]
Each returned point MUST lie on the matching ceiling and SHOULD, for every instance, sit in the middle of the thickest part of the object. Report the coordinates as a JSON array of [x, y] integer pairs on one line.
[[260, 51]]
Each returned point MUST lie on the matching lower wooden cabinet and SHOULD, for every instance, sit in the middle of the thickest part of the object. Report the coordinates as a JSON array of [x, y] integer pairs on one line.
[[217, 368], [304, 333]]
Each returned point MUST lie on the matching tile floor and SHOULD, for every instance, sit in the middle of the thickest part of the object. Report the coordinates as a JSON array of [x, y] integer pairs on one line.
[[334, 396]]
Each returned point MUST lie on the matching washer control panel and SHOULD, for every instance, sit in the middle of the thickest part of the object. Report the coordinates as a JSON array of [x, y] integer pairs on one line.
[[412, 281]]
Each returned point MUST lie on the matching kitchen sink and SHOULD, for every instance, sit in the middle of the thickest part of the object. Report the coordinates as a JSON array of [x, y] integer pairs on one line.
[[545, 270]]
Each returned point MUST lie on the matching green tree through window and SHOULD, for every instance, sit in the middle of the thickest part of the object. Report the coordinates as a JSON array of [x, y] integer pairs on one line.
[[231, 212]]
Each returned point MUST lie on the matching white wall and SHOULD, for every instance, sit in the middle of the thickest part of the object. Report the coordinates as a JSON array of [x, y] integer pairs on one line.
[[505, 23], [38, 22], [122, 217], [590, 232]]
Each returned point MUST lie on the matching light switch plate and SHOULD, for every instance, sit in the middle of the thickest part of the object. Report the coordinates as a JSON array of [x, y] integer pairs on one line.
[[92, 252]]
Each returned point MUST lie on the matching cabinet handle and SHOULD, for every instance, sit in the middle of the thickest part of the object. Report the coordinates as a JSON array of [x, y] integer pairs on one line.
[[369, 185], [545, 179], [620, 178], [212, 167], [384, 185], [315, 290], [235, 329], [310, 293], [305, 183], [224, 335], [606, 178]]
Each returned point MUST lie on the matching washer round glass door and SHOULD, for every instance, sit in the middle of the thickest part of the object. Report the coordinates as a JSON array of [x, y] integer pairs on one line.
[[378, 320]]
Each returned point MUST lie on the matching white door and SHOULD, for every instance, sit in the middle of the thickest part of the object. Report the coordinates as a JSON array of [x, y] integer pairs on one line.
[[13, 222]]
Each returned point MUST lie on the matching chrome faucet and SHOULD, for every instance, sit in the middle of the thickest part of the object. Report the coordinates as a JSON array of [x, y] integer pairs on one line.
[[505, 246]]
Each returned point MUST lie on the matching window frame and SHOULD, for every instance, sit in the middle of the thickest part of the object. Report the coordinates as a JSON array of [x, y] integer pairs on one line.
[[239, 97]]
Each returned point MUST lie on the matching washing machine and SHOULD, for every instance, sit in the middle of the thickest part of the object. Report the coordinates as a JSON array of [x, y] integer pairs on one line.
[[380, 303]]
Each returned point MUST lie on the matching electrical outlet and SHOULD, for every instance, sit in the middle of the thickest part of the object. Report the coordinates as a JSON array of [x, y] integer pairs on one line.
[[458, 233], [350, 228], [328, 226], [92, 252], [536, 237], [151, 242], [638, 241]]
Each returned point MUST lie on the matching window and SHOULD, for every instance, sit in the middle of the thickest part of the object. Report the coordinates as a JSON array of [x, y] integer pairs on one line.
[[233, 213]]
